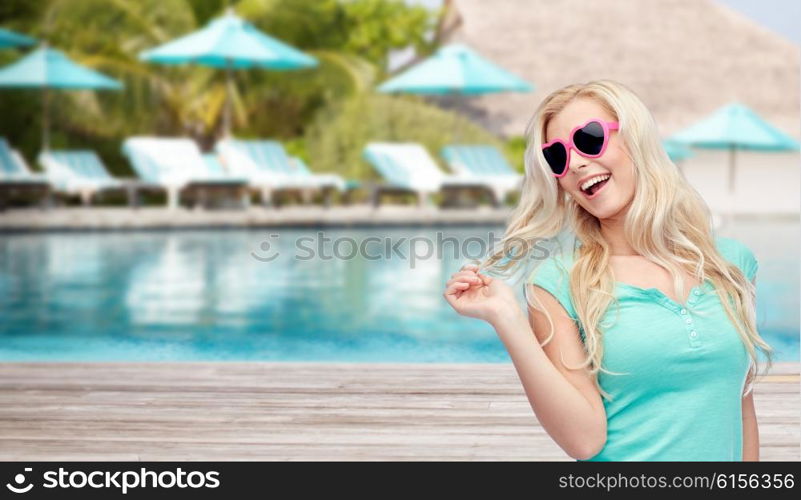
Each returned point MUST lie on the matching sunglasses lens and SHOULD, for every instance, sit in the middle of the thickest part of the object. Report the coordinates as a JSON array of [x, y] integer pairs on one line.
[[590, 139], [556, 154]]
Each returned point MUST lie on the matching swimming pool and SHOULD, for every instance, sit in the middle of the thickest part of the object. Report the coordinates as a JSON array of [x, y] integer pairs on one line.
[[217, 295]]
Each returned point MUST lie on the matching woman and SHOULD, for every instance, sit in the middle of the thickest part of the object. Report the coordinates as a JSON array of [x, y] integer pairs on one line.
[[638, 353]]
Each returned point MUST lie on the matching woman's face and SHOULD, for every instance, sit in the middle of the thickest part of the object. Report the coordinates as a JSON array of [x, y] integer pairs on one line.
[[615, 195]]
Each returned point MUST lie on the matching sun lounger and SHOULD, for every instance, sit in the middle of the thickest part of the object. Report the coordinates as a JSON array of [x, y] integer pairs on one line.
[[16, 177], [269, 169], [485, 164], [82, 173], [408, 168], [178, 166]]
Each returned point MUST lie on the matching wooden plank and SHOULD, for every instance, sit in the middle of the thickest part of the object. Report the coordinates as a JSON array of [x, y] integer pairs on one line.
[[302, 411]]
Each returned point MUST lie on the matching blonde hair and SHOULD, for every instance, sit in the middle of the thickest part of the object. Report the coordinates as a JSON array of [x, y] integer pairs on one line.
[[668, 223]]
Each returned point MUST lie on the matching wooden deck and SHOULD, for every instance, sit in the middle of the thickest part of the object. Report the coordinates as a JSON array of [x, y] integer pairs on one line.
[[302, 411]]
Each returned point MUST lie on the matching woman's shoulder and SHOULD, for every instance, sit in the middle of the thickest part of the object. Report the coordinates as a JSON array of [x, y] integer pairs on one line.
[[554, 264], [739, 254], [552, 273]]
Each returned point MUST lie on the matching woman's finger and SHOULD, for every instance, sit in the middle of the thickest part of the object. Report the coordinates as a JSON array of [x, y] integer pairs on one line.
[[451, 296], [470, 278], [475, 280], [466, 282], [459, 286], [454, 292], [465, 274]]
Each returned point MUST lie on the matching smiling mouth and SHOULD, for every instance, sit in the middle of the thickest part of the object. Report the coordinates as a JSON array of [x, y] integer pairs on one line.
[[591, 191]]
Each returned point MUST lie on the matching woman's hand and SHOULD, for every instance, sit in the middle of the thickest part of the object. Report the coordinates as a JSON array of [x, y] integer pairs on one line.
[[480, 296]]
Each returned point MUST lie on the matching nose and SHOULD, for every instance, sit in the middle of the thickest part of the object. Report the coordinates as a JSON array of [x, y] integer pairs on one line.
[[577, 162]]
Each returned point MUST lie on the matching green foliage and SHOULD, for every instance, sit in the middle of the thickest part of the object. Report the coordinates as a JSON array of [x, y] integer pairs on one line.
[[325, 114], [206, 10], [297, 147], [282, 104], [376, 26], [15, 14], [337, 137], [515, 149], [368, 29], [351, 40]]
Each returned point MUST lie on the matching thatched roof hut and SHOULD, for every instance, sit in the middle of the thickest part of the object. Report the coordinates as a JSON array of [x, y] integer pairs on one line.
[[685, 58]]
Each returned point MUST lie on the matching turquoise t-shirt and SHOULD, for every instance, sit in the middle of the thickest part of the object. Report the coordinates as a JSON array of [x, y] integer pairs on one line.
[[686, 367]]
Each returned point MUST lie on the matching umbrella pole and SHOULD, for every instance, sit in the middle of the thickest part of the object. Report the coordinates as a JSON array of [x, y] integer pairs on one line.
[[45, 119], [731, 182], [731, 168], [228, 98], [461, 113]]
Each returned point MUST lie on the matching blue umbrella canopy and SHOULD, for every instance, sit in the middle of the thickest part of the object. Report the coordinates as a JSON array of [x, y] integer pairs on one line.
[[47, 68], [50, 68], [230, 42], [676, 151], [732, 127], [455, 69], [9, 38], [735, 126]]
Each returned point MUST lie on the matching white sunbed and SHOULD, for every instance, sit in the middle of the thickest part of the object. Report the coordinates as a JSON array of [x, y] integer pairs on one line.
[[485, 164], [16, 176], [268, 168], [408, 167], [177, 164], [82, 173]]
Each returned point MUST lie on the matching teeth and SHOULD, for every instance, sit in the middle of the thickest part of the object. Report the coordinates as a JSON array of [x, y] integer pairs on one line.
[[594, 180]]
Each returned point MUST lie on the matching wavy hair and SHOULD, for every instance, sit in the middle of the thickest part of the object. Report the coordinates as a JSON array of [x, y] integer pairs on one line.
[[668, 223]]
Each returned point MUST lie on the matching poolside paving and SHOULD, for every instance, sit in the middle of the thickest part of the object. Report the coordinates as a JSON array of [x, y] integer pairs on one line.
[[80, 218], [303, 411], [357, 215]]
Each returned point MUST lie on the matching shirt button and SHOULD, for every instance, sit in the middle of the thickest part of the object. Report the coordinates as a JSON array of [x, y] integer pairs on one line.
[[689, 320], [684, 311], [693, 334], [697, 292]]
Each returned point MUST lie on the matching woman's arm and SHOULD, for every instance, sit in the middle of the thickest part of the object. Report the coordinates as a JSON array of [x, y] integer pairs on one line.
[[566, 402], [750, 430], [750, 427]]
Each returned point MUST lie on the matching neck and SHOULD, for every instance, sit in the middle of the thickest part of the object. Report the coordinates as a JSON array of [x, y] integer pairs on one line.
[[612, 231]]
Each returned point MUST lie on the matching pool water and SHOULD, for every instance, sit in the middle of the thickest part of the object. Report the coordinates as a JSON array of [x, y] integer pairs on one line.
[[215, 295]]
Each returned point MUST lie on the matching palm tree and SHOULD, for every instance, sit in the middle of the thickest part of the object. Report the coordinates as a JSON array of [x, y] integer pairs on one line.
[[108, 35]]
